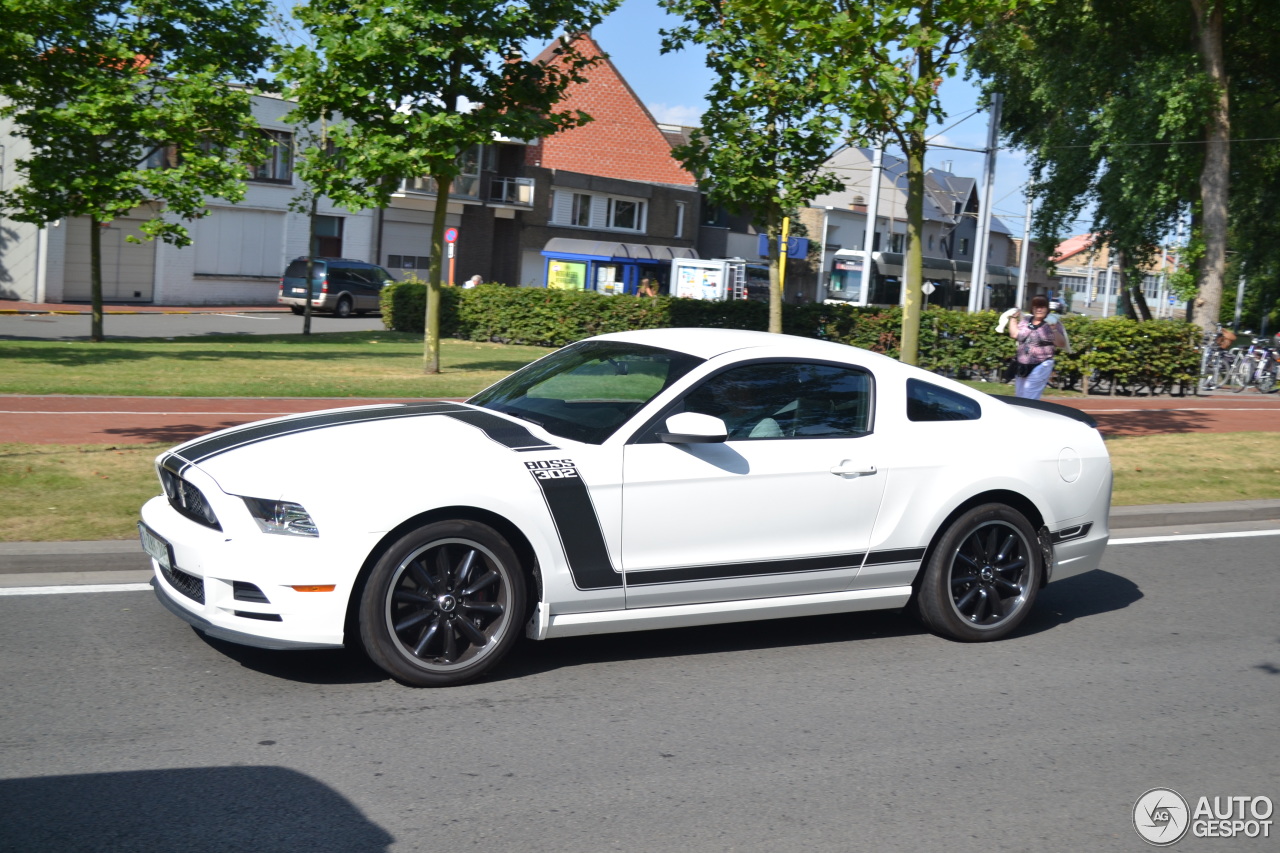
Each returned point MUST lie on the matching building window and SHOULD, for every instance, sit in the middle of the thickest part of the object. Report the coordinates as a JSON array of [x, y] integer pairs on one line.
[[680, 206], [625, 215], [931, 242], [895, 242], [408, 262], [278, 165], [964, 245], [328, 237], [581, 214]]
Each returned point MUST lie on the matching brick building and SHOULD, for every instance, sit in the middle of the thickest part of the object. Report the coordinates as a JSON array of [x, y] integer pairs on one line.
[[611, 202]]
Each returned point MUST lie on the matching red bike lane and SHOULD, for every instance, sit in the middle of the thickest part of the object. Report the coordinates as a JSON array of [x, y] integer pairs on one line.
[[143, 420]]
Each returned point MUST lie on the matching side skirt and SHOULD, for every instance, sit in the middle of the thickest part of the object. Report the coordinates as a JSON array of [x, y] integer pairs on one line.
[[544, 626]]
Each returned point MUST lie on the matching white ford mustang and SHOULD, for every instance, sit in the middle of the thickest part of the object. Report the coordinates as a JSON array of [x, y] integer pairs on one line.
[[639, 480]]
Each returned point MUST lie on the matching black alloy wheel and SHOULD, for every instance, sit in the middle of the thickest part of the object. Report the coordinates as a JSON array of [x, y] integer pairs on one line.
[[983, 576], [443, 605]]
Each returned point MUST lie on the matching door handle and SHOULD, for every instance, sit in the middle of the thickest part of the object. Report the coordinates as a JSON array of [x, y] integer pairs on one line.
[[848, 469]]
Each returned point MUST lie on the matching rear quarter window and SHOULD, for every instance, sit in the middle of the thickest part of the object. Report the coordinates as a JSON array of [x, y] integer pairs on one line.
[[298, 269], [929, 402]]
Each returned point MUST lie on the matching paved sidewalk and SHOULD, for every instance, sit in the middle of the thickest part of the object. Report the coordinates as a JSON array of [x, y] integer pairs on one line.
[[11, 306]]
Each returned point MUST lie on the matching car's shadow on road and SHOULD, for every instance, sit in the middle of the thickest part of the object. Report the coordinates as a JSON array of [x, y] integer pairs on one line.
[[1086, 595], [175, 433], [1089, 594]]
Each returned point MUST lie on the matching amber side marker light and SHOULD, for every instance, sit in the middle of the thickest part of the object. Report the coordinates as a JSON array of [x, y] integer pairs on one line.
[[328, 587]]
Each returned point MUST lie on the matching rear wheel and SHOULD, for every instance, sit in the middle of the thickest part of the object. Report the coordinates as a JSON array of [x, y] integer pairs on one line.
[[982, 579], [297, 309], [343, 308], [443, 605]]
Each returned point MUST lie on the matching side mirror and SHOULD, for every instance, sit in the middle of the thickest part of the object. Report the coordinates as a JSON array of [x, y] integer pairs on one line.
[[693, 428]]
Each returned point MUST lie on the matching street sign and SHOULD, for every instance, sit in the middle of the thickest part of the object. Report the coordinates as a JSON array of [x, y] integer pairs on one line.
[[451, 235]]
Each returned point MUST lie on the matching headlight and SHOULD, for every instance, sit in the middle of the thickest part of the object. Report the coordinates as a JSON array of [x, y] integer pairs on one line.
[[283, 517]]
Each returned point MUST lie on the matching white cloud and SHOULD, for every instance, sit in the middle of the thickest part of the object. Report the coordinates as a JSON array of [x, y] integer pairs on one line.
[[676, 114]]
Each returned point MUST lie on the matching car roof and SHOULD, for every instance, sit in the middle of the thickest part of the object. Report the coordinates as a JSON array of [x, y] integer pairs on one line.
[[709, 343]]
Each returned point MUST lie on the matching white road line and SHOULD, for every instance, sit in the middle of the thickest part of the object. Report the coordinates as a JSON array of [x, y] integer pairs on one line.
[[143, 587], [62, 590], [248, 317], [1212, 409], [1192, 537]]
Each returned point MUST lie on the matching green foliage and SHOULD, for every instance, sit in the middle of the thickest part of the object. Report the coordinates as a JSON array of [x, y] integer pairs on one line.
[[404, 89], [1160, 354], [1114, 100], [98, 86]]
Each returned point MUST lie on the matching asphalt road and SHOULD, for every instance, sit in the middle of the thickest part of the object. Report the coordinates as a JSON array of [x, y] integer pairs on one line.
[[75, 327], [121, 729]]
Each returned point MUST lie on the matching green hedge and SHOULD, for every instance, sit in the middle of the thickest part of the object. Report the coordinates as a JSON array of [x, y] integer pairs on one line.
[[1160, 354]]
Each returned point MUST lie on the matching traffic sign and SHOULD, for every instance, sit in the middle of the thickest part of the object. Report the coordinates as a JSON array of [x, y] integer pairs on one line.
[[451, 235]]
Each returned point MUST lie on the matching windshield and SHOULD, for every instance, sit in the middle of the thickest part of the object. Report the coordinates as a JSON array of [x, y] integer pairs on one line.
[[585, 391]]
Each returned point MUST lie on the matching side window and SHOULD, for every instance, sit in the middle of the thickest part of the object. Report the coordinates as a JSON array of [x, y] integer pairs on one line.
[[929, 402], [787, 400]]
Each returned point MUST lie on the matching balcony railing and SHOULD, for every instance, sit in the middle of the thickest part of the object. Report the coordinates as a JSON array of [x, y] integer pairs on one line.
[[511, 191], [463, 186]]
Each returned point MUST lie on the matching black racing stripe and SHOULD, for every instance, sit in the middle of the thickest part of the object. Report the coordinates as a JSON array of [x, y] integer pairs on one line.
[[575, 519], [1066, 534], [501, 430], [727, 571], [902, 555], [254, 433]]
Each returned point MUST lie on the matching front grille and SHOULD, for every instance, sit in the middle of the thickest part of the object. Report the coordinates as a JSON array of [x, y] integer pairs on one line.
[[189, 585]]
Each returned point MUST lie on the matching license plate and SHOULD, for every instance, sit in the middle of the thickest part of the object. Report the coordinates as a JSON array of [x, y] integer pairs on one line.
[[155, 546]]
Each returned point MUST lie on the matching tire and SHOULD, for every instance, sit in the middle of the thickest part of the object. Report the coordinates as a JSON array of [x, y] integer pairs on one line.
[[983, 576], [297, 309], [443, 605], [1267, 381], [343, 308]]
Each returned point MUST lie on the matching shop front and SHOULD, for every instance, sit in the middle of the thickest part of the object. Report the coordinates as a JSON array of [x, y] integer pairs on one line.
[[608, 267]]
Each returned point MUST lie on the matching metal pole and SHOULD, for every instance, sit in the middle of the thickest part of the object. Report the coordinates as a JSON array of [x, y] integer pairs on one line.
[[977, 289], [1026, 254], [1160, 291], [1093, 279], [873, 205], [1106, 294], [1235, 324]]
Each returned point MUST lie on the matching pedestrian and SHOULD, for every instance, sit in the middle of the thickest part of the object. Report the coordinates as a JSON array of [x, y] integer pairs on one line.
[[1039, 337], [648, 287], [474, 281]]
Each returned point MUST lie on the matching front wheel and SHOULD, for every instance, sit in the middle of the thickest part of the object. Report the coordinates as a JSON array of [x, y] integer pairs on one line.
[[982, 579], [443, 605]]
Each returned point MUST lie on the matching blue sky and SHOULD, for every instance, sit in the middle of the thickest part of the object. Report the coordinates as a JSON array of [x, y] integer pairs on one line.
[[674, 86]]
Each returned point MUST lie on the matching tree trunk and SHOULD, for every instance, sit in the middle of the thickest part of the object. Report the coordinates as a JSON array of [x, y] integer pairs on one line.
[[95, 279], [1215, 174], [431, 338], [913, 262], [311, 263], [773, 226]]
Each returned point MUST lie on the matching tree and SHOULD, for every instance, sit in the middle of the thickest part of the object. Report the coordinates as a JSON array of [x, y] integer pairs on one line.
[[128, 104], [409, 88], [787, 67], [1144, 110], [900, 50], [772, 120]]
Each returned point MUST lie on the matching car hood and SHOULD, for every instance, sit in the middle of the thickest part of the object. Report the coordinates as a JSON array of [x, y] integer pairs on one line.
[[344, 449]]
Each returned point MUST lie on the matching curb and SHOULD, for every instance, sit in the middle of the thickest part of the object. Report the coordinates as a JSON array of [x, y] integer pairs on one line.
[[22, 563]]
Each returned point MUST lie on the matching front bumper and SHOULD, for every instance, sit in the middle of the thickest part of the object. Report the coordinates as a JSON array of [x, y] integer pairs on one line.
[[240, 588]]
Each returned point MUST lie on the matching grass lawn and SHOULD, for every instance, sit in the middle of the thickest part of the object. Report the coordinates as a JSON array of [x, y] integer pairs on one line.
[[344, 364], [61, 492]]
